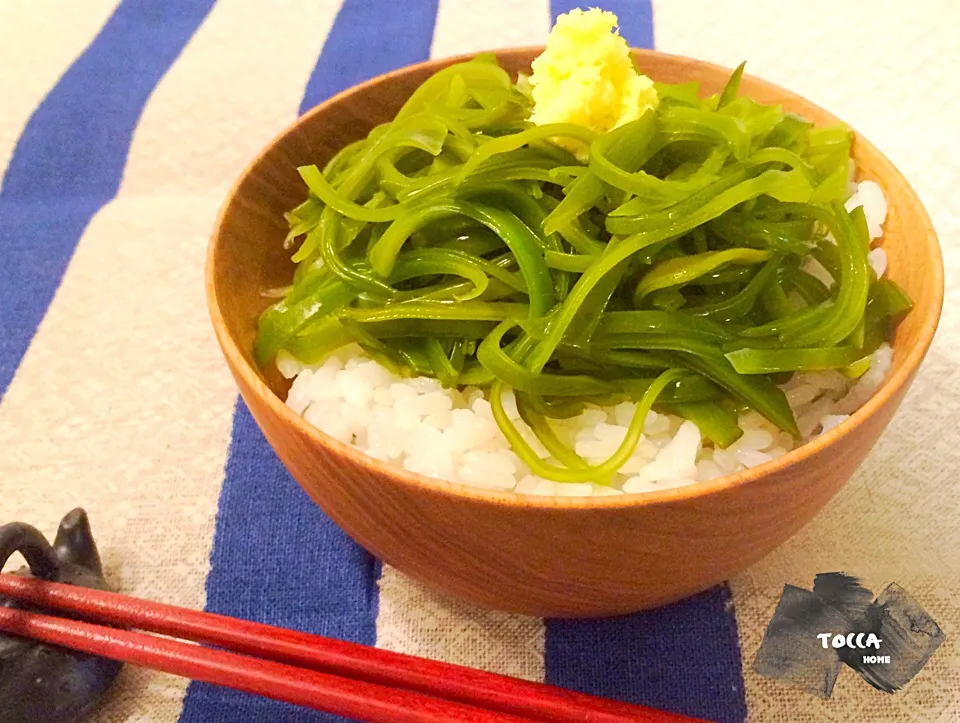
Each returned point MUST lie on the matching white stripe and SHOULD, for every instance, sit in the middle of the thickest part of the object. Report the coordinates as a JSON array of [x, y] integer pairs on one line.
[[470, 27], [243, 83], [38, 42], [413, 619], [123, 401], [889, 69], [419, 621]]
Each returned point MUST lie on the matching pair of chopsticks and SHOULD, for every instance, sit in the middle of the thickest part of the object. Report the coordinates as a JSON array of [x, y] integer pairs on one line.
[[344, 678]]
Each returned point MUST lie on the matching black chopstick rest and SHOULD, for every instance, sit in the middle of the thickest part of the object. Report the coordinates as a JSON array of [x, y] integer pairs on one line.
[[46, 683]]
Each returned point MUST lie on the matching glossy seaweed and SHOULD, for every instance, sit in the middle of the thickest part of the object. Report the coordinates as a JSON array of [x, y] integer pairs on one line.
[[459, 242]]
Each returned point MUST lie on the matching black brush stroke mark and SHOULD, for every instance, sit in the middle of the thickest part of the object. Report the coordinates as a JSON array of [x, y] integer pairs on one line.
[[908, 635], [840, 604], [844, 592], [791, 652]]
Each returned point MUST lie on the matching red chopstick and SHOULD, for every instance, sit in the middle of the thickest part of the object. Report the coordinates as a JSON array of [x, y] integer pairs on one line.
[[342, 696], [323, 673]]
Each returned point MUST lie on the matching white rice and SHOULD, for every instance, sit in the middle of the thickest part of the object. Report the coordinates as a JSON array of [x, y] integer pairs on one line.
[[450, 434]]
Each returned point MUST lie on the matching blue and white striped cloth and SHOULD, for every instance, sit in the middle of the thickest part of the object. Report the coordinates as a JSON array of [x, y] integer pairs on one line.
[[122, 125]]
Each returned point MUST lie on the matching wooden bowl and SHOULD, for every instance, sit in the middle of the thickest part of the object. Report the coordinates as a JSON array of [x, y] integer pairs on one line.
[[539, 555]]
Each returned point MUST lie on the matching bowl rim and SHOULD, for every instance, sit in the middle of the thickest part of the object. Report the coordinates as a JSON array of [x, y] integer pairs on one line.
[[892, 386]]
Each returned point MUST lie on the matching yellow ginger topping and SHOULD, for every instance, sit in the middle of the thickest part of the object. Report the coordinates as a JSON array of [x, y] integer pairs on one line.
[[586, 76]]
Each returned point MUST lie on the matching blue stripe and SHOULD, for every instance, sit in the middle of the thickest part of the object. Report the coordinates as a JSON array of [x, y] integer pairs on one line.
[[369, 38], [276, 557], [685, 657], [636, 17], [70, 158]]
